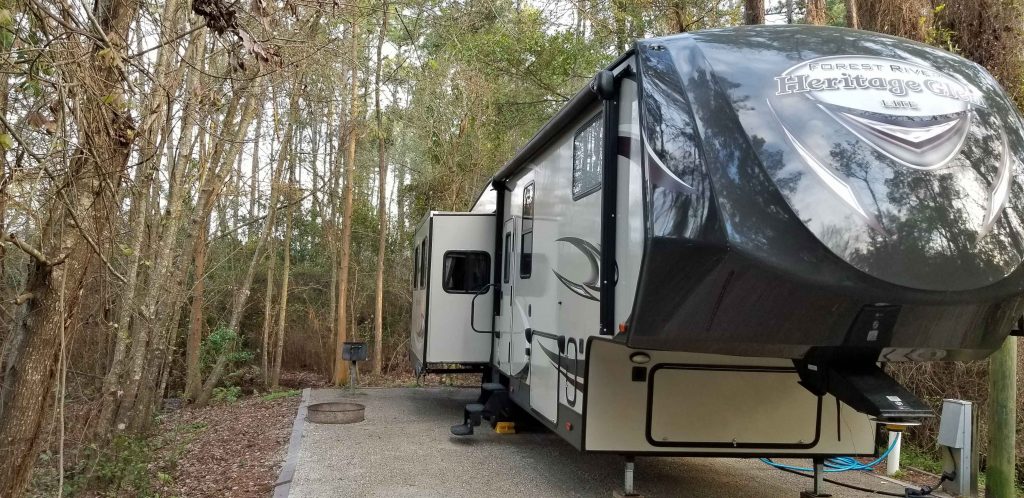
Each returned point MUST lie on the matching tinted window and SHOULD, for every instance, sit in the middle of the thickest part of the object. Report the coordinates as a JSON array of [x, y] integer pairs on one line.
[[526, 239], [586, 158], [508, 257], [423, 263], [416, 268], [466, 271]]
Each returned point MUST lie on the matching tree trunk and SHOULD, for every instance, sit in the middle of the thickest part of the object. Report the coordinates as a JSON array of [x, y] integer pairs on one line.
[[340, 368], [816, 12], [282, 311], [852, 20], [220, 165], [242, 294], [382, 202], [268, 309], [753, 12], [105, 138]]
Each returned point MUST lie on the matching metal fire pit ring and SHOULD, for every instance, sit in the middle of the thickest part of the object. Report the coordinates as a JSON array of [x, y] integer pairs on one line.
[[337, 412]]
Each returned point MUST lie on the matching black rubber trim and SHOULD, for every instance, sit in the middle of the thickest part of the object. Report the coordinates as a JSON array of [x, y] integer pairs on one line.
[[722, 444], [609, 199]]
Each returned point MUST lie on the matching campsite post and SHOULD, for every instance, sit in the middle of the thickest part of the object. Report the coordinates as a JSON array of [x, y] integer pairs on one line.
[[1002, 416]]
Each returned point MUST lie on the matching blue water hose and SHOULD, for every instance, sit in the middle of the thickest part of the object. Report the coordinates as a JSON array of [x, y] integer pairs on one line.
[[839, 464]]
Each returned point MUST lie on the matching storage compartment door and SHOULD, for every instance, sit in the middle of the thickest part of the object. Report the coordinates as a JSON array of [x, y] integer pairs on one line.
[[734, 407]]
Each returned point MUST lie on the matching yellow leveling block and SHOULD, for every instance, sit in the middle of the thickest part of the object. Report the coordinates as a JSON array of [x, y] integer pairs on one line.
[[505, 428]]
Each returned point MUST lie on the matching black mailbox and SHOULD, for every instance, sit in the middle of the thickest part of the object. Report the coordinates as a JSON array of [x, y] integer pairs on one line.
[[353, 351]]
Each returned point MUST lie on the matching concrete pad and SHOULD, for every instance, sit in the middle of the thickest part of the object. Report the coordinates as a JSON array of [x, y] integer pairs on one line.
[[403, 448]]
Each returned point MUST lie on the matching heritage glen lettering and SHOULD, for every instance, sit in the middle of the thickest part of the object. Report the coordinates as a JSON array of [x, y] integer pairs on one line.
[[899, 87]]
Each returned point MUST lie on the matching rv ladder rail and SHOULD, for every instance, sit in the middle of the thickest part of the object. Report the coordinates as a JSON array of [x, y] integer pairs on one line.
[[472, 309]]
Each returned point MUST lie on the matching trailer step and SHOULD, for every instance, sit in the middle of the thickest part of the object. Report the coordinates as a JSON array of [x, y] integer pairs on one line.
[[462, 430], [492, 387]]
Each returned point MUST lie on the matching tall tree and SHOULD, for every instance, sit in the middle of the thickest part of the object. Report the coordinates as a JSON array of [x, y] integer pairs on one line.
[[340, 370], [382, 199]]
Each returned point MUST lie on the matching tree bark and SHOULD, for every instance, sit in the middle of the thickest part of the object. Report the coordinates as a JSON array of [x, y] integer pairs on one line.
[[852, 19], [753, 11], [816, 12]]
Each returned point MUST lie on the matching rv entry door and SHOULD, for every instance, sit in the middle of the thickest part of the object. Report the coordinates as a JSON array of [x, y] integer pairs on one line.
[[503, 320]]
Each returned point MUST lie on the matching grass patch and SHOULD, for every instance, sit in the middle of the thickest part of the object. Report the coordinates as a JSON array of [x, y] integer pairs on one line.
[[913, 456], [281, 394]]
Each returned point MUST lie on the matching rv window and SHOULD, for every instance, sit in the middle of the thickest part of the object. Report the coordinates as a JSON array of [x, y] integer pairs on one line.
[[508, 257], [416, 268], [586, 159], [466, 271], [526, 239], [423, 264]]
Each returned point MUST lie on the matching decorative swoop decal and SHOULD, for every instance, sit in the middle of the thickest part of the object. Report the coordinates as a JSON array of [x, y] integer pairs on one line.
[[914, 115], [557, 360], [589, 289]]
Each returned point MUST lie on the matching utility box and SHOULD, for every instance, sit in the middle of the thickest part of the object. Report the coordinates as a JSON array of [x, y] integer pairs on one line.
[[957, 432]]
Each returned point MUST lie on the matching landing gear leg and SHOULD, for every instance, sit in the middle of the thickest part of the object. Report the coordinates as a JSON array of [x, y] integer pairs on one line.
[[819, 481], [627, 483]]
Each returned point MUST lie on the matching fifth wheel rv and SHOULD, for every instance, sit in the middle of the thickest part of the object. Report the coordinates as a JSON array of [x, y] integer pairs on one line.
[[715, 247]]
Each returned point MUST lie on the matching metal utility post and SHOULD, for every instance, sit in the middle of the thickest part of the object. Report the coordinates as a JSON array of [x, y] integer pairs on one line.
[[627, 485], [1002, 414], [819, 481]]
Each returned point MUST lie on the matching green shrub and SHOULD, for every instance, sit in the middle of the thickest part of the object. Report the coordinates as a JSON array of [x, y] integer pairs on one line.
[[228, 394]]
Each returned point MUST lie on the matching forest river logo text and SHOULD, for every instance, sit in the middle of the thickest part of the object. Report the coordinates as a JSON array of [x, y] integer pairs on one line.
[[915, 115], [899, 79]]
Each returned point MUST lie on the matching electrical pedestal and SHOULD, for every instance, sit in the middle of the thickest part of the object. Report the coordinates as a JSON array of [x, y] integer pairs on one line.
[[957, 432]]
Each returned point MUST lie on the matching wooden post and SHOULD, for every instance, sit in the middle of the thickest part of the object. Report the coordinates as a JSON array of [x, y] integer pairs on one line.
[[1002, 415]]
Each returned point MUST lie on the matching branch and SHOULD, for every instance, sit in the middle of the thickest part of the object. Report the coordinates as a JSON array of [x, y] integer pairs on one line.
[[31, 251], [23, 298]]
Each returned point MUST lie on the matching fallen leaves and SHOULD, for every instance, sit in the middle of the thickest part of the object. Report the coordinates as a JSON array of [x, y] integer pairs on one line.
[[233, 450]]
